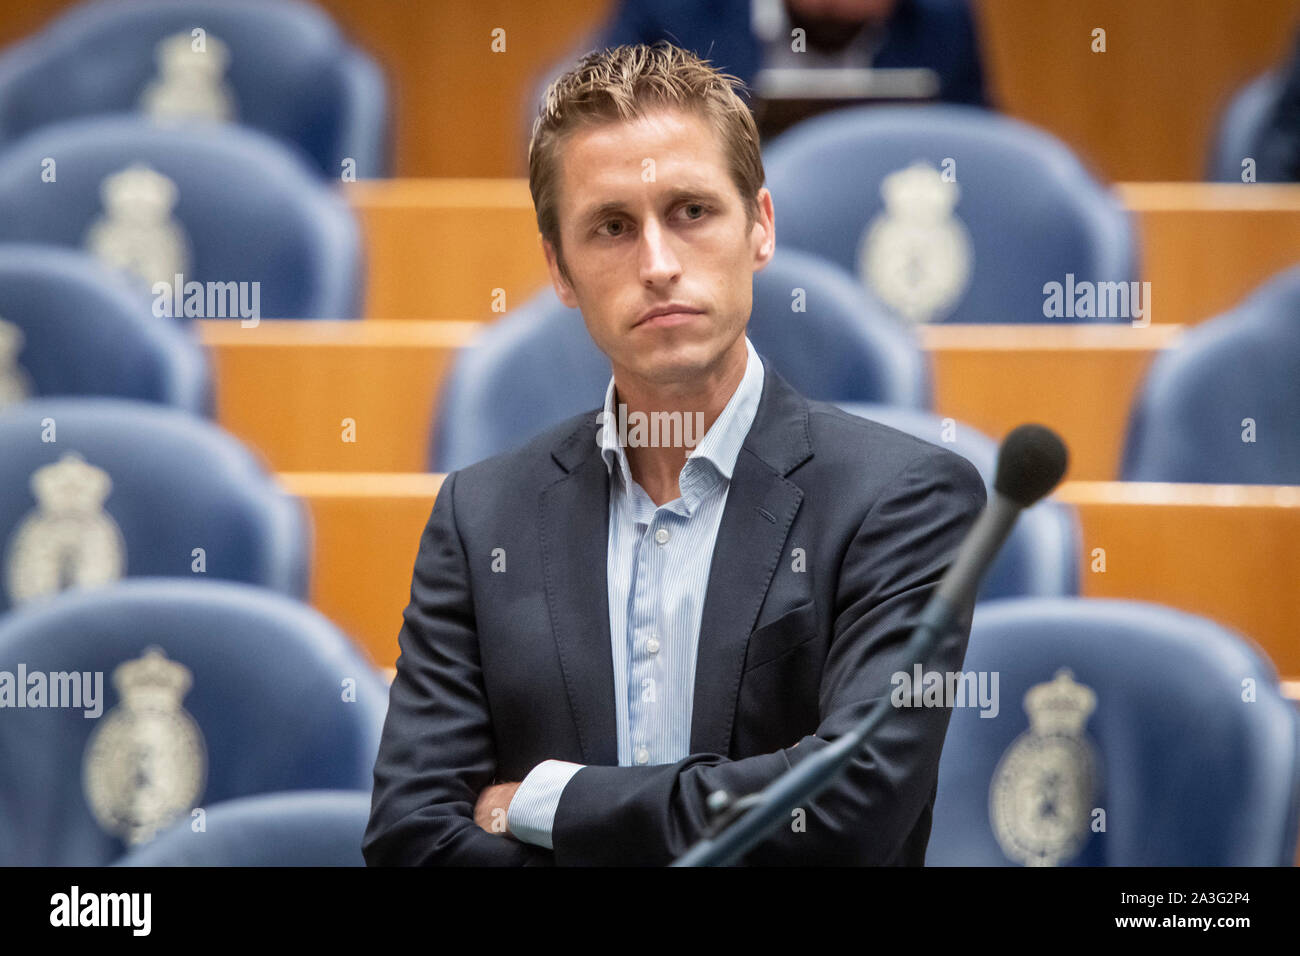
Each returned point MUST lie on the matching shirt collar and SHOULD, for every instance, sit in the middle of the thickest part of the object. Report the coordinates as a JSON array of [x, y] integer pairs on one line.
[[720, 445]]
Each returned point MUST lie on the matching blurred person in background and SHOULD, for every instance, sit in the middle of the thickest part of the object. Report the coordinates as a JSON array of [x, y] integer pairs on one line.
[[1279, 141], [744, 36]]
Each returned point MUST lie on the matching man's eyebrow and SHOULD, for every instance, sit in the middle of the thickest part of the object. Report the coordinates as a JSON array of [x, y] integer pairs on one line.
[[674, 195]]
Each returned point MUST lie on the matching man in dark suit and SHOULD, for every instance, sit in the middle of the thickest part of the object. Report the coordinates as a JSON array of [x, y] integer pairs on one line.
[[604, 629]]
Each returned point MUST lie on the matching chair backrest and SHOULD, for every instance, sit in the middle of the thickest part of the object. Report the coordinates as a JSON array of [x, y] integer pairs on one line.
[[1221, 406], [211, 690], [538, 366], [983, 212], [1041, 556], [289, 74], [302, 828], [1124, 734], [1237, 136], [76, 327], [93, 490], [246, 211]]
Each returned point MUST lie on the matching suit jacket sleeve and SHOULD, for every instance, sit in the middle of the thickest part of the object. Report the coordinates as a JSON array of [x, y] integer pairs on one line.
[[436, 754], [650, 815]]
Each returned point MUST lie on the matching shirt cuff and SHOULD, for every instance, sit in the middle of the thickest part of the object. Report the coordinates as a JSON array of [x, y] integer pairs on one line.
[[532, 809]]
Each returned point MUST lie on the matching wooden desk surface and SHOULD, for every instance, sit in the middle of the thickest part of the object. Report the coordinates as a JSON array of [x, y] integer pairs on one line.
[[447, 248], [1205, 246], [1228, 552], [287, 387], [1077, 379]]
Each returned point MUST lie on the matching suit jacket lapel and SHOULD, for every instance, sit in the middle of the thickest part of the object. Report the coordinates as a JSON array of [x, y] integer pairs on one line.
[[575, 541], [761, 506]]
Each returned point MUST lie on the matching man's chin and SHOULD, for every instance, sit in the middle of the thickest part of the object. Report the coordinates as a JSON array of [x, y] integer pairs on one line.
[[675, 365]]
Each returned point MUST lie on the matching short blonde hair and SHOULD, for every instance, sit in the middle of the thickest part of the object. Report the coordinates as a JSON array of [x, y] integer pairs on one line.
[[625, 83]]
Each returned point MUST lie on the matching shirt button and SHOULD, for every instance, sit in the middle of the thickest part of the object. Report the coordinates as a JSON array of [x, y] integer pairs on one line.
[[652, 645], [642, 755], [662, 535]]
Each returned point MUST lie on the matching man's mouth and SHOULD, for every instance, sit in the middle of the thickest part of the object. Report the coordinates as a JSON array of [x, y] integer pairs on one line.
[[668, 316]]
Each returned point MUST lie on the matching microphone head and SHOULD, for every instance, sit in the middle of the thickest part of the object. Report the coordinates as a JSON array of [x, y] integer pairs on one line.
[[1031, 462]]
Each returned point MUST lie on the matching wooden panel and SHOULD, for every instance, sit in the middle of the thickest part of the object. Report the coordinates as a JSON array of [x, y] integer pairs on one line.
[[441, 248], [459, 106], [286, 387], [367, 534], [1206, 246], [1079, 380], [1226, 552], [1146, 108]]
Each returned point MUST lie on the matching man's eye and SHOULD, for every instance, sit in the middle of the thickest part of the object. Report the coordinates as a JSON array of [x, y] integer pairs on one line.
[[615, 227]]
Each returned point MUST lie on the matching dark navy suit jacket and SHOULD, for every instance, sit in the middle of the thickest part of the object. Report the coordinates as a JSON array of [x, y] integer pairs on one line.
[[500, 670], [938, 34]]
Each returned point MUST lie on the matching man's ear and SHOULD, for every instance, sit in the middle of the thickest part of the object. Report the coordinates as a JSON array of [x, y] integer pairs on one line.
[[562, 287], [764, 232]]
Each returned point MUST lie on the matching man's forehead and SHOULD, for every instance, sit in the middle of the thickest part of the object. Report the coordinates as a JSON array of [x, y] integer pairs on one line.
[[608, 164]]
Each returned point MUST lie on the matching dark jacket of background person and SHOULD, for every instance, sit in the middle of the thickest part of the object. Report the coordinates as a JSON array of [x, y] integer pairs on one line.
[[1279, 143]]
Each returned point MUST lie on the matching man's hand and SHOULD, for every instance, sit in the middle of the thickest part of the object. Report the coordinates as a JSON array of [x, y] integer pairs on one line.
[[492, 806]]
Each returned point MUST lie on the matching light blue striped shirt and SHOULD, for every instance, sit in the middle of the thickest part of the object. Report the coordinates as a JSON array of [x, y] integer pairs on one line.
[[657, 573]]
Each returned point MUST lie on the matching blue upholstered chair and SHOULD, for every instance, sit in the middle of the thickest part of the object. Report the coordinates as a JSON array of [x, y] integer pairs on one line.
[[1027, 213], [537, 366], [1237, 136], [246, 208], [1171, 725], [1222, 405], [212, 691], [290, 74], [1041, 556], [137, 489], [300, 828], [83, 329]]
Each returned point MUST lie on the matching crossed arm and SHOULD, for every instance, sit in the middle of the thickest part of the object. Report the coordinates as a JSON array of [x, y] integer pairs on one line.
[[430, 800]]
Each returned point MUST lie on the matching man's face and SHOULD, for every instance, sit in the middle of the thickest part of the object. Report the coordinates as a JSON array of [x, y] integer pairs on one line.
[[648, 217]]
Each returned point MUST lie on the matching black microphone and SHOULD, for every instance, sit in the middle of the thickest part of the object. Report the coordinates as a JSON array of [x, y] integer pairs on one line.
[[1031, 461]]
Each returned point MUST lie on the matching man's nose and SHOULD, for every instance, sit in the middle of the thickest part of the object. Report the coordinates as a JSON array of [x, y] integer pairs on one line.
[[659, 263]]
